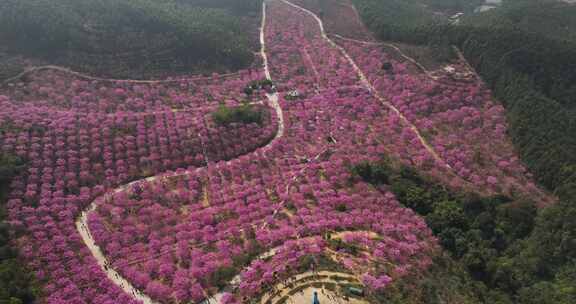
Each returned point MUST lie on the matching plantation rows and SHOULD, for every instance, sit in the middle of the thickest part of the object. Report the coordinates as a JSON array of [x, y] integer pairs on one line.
[[457, 118], [56, 89], [185, 209]]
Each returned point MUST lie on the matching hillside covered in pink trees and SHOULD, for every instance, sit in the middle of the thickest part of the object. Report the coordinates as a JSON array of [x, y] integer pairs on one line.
[[354, 161]]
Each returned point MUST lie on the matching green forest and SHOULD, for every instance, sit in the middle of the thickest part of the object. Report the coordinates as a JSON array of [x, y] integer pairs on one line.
[[550, 18], [531, 68], [129, 38]]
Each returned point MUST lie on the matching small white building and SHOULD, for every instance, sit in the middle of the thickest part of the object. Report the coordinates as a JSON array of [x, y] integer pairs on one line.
[[294, 94], [455, 19]]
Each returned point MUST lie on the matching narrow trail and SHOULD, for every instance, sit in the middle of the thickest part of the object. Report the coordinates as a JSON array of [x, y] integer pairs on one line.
[[375, 43], [89, 77], [373, 90], [397, 49], [314, 69], [273, 98], [113, 275], [82, 221]]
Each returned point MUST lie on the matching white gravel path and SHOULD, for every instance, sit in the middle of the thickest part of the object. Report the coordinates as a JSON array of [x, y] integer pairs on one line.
[[82, 221]]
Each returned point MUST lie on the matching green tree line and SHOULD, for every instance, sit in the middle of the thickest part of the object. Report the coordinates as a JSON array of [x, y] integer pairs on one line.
[[501, 242]]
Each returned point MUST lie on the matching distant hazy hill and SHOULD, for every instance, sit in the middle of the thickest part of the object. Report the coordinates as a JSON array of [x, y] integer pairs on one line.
[[550, 18], [130, 38]]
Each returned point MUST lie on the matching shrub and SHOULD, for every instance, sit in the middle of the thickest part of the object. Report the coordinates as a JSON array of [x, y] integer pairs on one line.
[[245, 114], [375, 174], [9, 166]]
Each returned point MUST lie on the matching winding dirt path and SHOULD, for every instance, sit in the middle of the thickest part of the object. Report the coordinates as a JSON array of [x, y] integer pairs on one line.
[[397, 49], [367, 84], [82, 221], [356, 40], [273, 98], [89, 77]]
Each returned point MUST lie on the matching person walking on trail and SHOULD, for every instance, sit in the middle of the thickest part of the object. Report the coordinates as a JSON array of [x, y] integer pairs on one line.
[[315, 301]]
